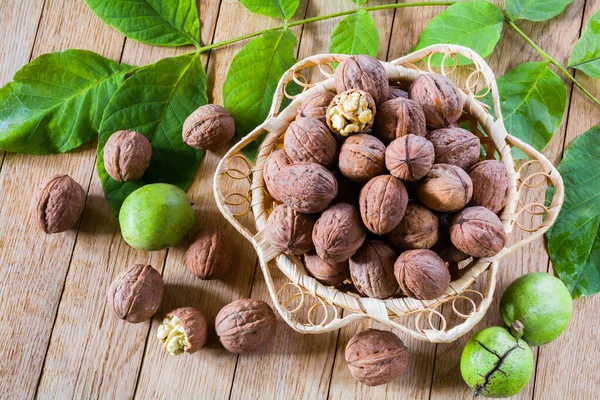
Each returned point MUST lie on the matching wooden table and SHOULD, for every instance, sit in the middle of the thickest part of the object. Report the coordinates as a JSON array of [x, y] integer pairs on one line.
[[60, 340]]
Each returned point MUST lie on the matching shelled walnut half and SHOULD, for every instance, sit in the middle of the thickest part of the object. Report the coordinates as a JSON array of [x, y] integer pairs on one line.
[[351, 112]]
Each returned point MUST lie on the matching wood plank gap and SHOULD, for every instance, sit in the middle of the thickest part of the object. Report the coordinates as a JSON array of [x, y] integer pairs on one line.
[[389, 46], [337, 342], [435, 354]]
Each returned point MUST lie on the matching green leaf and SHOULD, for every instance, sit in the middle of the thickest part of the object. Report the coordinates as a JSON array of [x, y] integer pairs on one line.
[[272, 8], [535, 10], [574, 241], [55, 103], [355, 34], [533, 101], [155, 101], [475, 24], [252, 79], [586, 53], [156, 22]]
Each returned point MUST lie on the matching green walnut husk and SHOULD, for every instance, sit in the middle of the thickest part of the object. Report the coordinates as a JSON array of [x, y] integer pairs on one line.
[[494, 363], [541, 302], [155, 217]]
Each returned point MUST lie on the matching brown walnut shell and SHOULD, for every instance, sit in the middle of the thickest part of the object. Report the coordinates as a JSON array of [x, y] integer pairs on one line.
[[136, 293], [478, 232], [372, 270], [396, 92], [362, 157], [305, 187], [364, 73], [419, 229], [451, 254], [208, 127], [410, 157], [351, 112], [209, 257], [376, 357], [309, 140], [288, 231], [446, 188], [274, 163], [441, 100], [338, 233], [316, 105], [397, 118], [327, 274], [383, 202], [422, 274], [127, 155], [58, 204], [245, 325], [490, 185], [456, 146], [195, 326]]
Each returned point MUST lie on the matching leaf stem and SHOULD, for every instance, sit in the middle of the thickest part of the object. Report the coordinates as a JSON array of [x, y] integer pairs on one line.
[[324, 17], [552, 61]]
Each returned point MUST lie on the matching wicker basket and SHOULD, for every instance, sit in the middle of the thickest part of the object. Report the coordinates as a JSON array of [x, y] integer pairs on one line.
[[310, 307]]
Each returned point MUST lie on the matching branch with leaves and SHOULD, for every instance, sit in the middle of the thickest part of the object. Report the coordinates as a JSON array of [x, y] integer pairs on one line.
[[62, 100]]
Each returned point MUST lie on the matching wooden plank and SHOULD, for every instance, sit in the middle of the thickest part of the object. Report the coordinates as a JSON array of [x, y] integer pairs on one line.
[[34, 264], [577, 348], [304, 358], [211, 370], [416, 381], [511, 51], [72, 368]]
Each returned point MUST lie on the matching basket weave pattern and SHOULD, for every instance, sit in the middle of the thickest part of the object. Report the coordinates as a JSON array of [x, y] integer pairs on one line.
[[310, 307]]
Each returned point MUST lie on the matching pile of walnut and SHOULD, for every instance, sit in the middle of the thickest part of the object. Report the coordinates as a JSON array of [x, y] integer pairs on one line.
[[381, 189]]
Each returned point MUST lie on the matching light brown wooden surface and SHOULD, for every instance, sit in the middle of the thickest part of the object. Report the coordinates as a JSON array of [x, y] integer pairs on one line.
[[59, 338]]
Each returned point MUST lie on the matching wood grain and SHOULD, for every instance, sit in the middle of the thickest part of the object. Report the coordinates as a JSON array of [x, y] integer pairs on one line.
[[34, 270], [68, 342]]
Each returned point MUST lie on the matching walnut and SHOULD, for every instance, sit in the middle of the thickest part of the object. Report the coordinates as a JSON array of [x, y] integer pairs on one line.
[[274, 163], [410, 157], [419, 229], [455, 146], [450, 254], [372, 270], [441, 99], [338, 233], [58, 204], [209, 257], [364, 73], [309, 140], [305, 187], [316, 105], [136, 293], [397, 118], [245, 325], [422, 274], [208, 127], [446, 188], [376, 357], [327, 274], [396, 92], [288, 231], [383, 203], [351, 112], [362, 157], [490, 185], [478, 232], [183, 330], [127, 155]]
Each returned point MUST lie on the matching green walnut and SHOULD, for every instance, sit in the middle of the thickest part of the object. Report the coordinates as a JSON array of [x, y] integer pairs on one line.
[[155, 217], [494, 363], [541, 302]]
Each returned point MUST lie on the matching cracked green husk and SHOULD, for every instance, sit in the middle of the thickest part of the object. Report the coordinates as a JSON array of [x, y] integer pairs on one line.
[[496, 364]]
